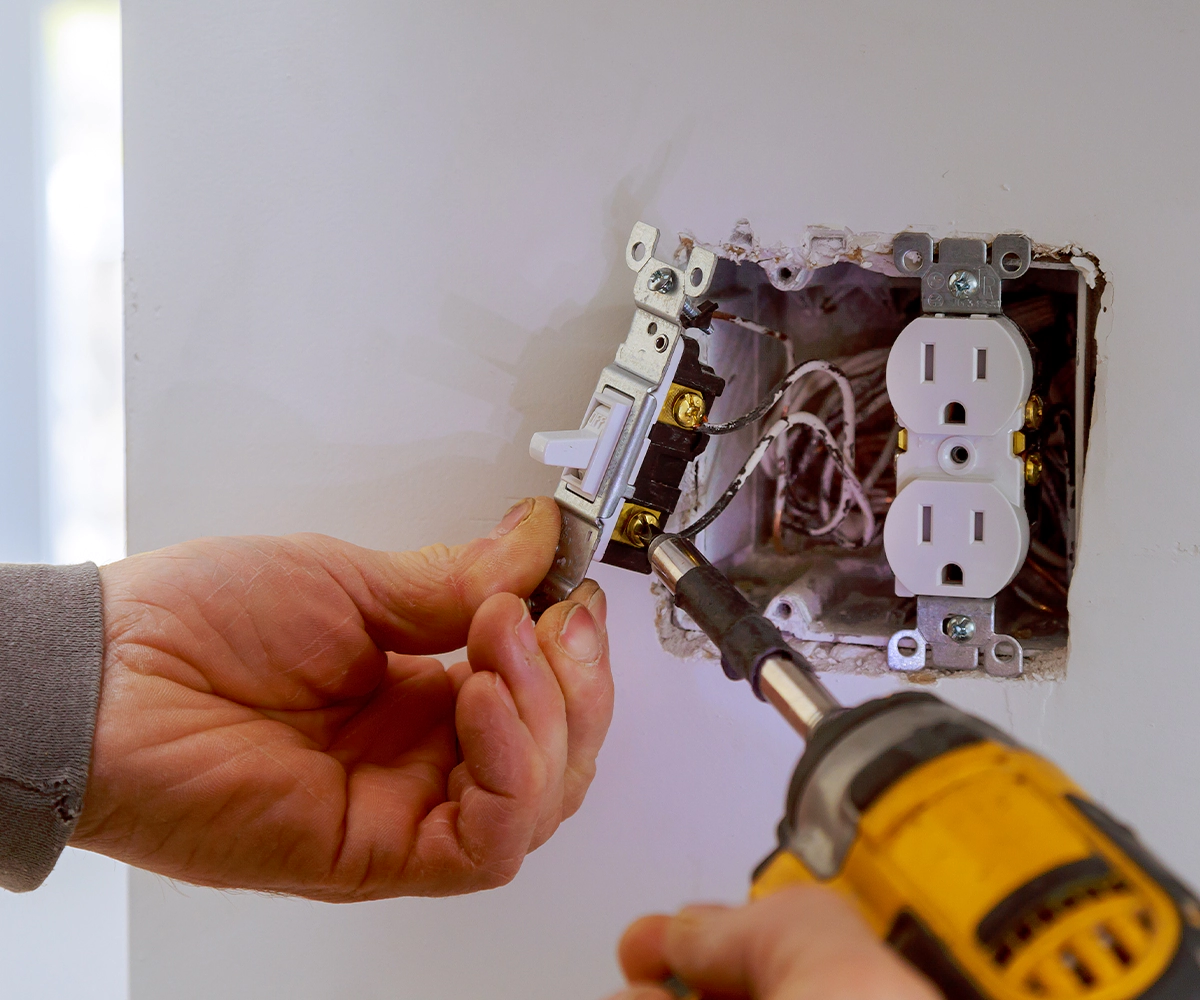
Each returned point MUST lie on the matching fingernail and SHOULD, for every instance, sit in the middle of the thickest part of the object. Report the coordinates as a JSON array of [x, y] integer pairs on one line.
[[598, 606], [505, 694], [527, 633], [516, 514], [694, 916], [579, 637]]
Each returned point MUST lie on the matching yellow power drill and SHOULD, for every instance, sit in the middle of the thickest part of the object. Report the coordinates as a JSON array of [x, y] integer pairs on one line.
[[981, 863]]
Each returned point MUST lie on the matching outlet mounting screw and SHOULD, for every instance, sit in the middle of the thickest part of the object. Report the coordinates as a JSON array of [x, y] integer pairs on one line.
[[1033, 469], [960, 628], [688, 410], [963, 284], [662, 280]]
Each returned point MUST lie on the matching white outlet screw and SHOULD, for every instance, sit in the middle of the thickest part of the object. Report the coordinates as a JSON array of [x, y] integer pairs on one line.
[[662, 280], [963, 284], [960, 628]]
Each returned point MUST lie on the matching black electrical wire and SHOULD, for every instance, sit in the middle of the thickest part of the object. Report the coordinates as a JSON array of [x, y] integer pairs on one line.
[[776, 394]]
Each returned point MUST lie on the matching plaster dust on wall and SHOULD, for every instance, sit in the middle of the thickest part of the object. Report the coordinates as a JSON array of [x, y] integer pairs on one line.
[[833, 599]]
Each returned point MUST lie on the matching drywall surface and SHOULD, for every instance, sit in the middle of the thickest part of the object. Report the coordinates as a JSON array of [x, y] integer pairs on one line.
[[22, 527], [373, 247]]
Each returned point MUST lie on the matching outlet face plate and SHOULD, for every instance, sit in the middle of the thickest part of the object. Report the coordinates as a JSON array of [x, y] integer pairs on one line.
[[957, 527]]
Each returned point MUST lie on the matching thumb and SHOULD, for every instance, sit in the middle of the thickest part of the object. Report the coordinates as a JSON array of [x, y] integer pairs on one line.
[[802, 943], [423, 601]]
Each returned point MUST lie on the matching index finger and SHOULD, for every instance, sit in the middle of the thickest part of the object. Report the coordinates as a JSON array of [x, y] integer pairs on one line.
[[641, 950]]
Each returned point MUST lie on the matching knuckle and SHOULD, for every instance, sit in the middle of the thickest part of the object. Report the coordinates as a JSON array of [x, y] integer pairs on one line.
[[591, 698], [499, 872], [579, 780]]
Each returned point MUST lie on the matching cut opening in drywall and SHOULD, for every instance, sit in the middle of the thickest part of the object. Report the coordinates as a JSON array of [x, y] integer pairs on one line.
[[830, 594]]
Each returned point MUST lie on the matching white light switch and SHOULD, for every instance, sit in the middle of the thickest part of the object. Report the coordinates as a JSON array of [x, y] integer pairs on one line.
[[571, 449], [589, 449]]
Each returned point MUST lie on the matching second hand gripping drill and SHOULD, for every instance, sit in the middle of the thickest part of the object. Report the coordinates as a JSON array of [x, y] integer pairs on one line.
[[981, 863]]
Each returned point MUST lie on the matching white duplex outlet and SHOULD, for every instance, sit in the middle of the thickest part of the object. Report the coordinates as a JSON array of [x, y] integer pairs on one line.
[[957, 527]]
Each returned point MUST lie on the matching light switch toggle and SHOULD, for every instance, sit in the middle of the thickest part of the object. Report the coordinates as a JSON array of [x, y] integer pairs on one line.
[[589, 449], [570, 449]]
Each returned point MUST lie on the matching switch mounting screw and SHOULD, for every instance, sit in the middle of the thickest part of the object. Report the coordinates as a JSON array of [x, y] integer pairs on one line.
[[662, 280]]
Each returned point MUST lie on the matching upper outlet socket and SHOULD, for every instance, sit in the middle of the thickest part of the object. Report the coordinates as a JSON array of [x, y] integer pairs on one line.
[[957, 375]]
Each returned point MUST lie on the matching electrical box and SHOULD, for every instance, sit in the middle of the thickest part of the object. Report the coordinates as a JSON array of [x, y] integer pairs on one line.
[[971, 362], [879, 438]]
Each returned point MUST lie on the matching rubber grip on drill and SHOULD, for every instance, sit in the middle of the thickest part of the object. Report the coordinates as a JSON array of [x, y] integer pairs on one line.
[[744, 637]]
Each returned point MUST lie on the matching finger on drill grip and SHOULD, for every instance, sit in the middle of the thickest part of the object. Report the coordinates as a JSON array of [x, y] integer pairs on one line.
[[744, 637]]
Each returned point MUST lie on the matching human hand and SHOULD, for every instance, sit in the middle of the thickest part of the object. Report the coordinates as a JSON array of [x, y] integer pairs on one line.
[[267, 720], [803, 943]]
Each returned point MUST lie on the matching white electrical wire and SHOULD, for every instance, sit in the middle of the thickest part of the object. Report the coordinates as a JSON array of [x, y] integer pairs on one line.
[[852, 493], [780, 389]]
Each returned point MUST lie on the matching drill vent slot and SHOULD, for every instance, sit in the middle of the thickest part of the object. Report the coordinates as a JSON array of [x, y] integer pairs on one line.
[[1031, 924], [1090, 959]]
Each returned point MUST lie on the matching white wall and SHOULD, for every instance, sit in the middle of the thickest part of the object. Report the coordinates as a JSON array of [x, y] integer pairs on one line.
[[68, 939], [373, 246], [22, 517]]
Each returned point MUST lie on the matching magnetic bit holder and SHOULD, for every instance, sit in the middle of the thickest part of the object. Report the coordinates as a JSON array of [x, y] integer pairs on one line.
[[752, 648]]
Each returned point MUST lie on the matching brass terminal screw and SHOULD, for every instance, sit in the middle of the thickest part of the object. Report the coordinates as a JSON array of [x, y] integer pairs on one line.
[[1033, 412], [640, 528], [688, 410], [1033, 469]]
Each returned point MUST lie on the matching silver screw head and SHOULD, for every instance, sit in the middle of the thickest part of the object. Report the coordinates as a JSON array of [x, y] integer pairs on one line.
[[963, 284], [960, 628], [662, 280]]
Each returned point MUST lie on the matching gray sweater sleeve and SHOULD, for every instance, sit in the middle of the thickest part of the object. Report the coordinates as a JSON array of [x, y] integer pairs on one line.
[[51, 646]]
